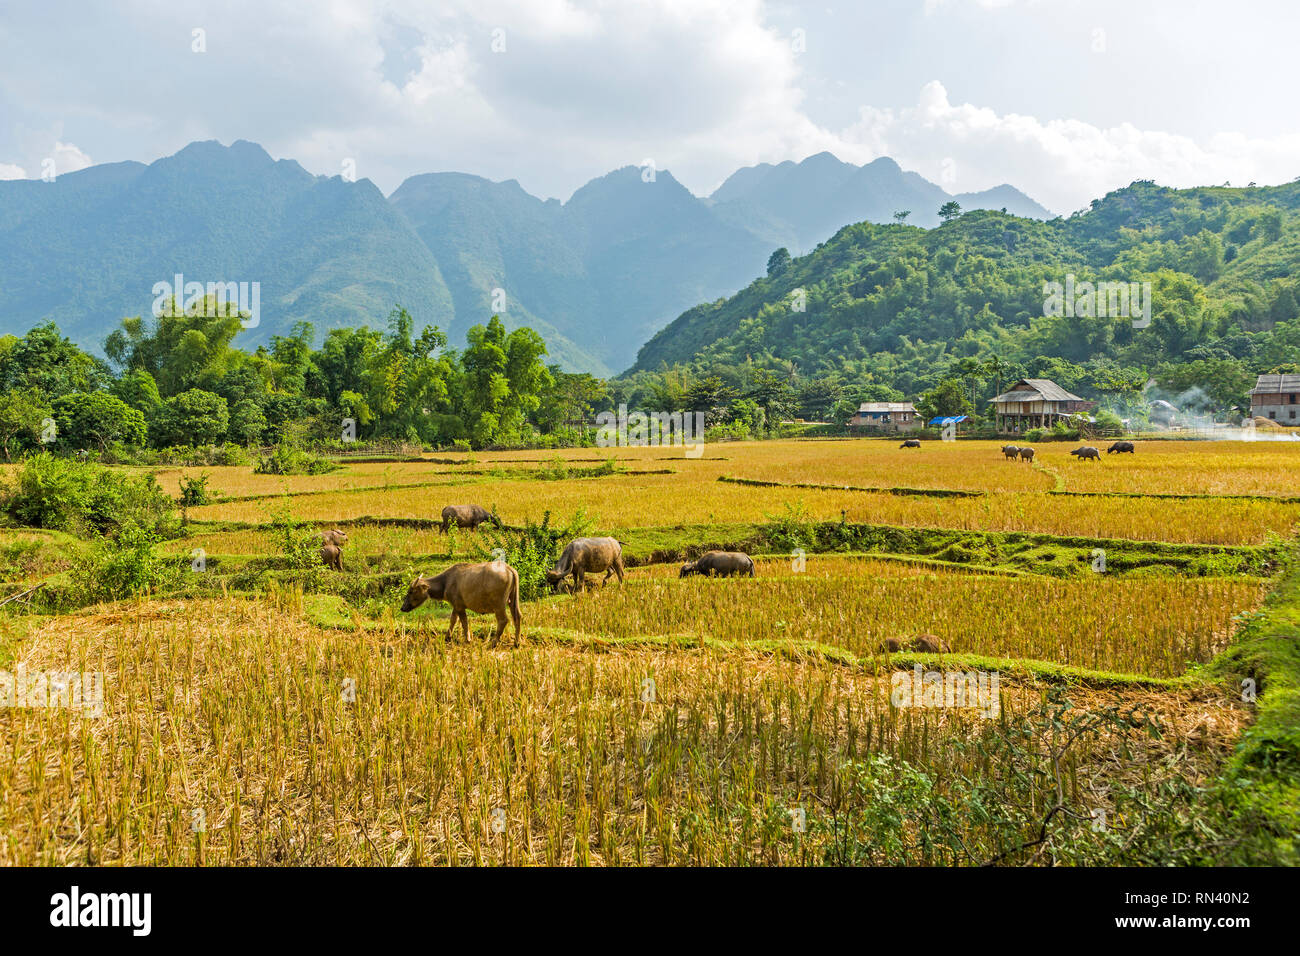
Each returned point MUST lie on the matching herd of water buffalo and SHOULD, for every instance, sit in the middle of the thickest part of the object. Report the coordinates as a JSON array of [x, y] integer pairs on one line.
[[1027, 454], [492, 587]]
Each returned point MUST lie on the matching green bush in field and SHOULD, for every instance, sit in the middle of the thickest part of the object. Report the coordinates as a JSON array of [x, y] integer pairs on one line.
[[68, 495], [286, 460], [122, 566], [531, 550]]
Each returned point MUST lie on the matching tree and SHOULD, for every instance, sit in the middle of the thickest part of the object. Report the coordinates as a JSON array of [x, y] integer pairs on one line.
[[900, 217], [180, 350], [972, 371], [47, 360], [247, 422], [193, 417], [946, 399], [22, 410], [707, 395], [773, 394], [778, 262], [1217, 384], [97, 419], [949, 210], [137, 388], [816, 398], [504, 380]]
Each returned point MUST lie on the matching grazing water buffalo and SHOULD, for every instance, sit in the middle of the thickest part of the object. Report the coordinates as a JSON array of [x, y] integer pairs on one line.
[[929, 644], [925, 643], [467, 516], [1010, 451], [1026, 454], [1121, 447], [911, 443], [587, 556], [722, 564], [1087, 451], [332, 556], [334, 536], [488, 588]]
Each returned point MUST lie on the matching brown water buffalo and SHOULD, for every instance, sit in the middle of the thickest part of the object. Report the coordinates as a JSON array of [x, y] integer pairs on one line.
[[488, 588], [923, 643], [332, 557], [587, 556], [1010, 451], [1087, 451], [722, 564], [468, 516], [334, 536], [1122, 447], [929, 644], [911, 443], [1026, 454]]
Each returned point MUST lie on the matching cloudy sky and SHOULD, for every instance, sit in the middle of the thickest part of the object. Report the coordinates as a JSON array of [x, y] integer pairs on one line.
[[1065, 99]]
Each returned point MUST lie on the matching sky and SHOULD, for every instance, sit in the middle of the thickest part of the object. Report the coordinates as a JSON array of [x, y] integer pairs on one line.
[[1064, 99]]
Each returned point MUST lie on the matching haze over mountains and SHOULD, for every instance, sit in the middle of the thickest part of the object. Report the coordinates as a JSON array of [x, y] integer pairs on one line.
[[597, 275]]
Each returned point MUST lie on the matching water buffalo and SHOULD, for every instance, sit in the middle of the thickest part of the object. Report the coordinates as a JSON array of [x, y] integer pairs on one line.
[[467, 516], [911, 443], [488, 588], [1121, 447], [924, 643], [587, 556], [1010, 451], [1026, 454], [1087, 451], [929, 644], [722, 564], [334, 536], [332, 556]]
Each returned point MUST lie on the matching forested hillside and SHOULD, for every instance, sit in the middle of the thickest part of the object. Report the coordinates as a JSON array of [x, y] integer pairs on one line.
[[893, 310]]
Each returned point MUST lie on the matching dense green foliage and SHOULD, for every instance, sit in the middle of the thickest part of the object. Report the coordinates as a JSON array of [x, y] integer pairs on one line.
[[66, 495], [893, 311], [181, 383]]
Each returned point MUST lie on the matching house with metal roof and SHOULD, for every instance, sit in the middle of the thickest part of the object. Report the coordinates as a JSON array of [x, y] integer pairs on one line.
[[887, 416], [1036, 403], [1276, 397]]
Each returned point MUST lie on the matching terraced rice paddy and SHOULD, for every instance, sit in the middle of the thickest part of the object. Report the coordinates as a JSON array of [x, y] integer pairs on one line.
[[287, 718]]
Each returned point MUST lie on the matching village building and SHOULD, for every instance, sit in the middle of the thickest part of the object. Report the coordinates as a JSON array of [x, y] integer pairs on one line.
[[1036, 403], [1276, 397], [887, 416]]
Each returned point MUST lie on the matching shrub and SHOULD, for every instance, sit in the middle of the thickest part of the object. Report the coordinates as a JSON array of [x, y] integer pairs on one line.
[[122, 566], [286, 460], [792, 530], [297, 542], [531, 550], [68, 495], [554, 469]]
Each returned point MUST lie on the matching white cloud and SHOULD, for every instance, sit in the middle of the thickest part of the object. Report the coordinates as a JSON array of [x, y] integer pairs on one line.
[[1063, 163], [68, 158], [10, 171], [404, 86]]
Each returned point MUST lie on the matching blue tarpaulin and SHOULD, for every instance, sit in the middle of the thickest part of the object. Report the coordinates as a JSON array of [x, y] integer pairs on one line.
[[950, 420]]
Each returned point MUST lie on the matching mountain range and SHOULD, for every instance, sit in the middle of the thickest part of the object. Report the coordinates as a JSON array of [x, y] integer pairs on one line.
[[597, 276]]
